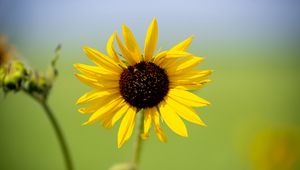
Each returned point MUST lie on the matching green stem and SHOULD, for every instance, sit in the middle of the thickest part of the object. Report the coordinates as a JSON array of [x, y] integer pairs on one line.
[[59, 135], [42, 99], [139, 142]]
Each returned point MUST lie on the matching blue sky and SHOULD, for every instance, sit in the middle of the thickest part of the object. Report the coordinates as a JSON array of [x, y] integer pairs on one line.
[[34, 21]]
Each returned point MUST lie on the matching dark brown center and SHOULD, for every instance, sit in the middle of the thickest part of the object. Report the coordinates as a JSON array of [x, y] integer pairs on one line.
[[144, 85]]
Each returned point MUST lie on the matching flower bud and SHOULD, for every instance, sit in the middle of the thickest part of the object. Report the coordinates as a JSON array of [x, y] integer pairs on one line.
[[12, 76], [11, 82], [18, 66], [36, 83], [2, 75]]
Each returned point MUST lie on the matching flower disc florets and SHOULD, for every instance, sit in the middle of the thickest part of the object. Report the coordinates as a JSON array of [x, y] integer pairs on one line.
[[144, 85]]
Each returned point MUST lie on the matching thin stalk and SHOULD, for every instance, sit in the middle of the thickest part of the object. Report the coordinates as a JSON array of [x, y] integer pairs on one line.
[[59, 135], [139, 142], [58, 130]]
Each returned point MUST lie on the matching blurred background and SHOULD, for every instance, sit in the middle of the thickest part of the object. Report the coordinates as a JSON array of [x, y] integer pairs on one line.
[[253, 46]]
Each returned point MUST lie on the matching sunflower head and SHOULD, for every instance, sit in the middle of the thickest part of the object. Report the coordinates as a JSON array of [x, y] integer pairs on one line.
[[157, 83]]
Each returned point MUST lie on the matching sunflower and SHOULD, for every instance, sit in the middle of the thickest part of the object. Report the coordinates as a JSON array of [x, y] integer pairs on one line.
[[158, 84]]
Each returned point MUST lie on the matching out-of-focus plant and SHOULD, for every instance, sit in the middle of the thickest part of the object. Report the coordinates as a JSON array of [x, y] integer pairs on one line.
[[276, 149], [6, 51], [15, 77], [13, 74], [39, 84]]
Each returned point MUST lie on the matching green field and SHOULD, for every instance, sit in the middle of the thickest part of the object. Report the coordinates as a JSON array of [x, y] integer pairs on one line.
[[253, 90]]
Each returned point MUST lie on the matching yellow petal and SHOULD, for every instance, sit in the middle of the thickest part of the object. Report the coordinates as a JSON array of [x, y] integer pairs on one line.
[[98, 76], [147, 121], [108, 77], [89, 109], [184, 111], [184, 45], [94, 95], [178, 54], [187, 98], [102, 60], [172, 120], [88, 81], [109, 107], [92, 70], [126, 127], [159, 132], [163, 58], [184, 65], [125, 52], [190, 75], [98, 84], [111, 120], [131, 43], [151, 40], [188, 85], [168, 62], [111, 51], [94, 105], [158, 58]]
